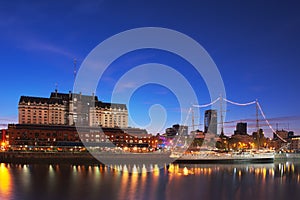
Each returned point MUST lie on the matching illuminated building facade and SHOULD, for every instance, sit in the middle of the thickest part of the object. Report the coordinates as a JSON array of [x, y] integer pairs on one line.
[[67, 109], [295, 143], [31, 137]]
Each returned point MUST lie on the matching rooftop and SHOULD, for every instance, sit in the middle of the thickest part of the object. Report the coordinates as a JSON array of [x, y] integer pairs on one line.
[[62, 98]]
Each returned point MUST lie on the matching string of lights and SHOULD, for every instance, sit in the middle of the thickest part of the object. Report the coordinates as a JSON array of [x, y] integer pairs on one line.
[[240, 104], [206, 105]]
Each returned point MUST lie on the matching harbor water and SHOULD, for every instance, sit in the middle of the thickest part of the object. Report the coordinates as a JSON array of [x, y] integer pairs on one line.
[[279, 180]]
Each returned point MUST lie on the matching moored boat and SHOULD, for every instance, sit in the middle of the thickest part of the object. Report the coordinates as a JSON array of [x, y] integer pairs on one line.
[[225, 157]]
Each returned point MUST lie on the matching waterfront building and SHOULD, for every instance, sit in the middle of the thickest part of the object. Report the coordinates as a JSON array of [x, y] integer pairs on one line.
[[41, 136], [210, 121], [282, 133], [181, 129], [177, 129], [3, 140], [285, 135], [295, 143], [241, 141], [67, 109]]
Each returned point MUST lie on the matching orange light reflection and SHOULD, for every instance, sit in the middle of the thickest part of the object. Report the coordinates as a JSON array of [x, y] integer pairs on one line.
[[5, 182]]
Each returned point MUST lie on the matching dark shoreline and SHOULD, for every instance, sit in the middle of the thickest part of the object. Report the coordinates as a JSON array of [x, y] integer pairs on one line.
[[84, 158], [48, 158]]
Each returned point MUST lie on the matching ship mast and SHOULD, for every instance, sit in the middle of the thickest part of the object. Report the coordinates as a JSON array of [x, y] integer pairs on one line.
[[74, 72], [221, 114], [257, 125], [193, 120]]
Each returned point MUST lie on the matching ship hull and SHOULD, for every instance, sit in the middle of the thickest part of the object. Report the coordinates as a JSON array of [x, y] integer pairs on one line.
[[223, 161], [213, 157]]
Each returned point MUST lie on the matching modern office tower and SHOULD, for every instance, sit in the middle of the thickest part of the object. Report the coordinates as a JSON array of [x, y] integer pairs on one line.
[[210, 121]]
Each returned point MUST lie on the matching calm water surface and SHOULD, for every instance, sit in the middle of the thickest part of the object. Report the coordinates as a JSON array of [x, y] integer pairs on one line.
[[205, 181]]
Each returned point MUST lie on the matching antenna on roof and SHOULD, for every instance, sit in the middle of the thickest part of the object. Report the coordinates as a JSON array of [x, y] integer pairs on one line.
[[75, 62], [56, 86]]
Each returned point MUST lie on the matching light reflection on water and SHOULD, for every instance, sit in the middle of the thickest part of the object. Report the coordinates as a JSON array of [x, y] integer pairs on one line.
[[184, 181], [5, 182]]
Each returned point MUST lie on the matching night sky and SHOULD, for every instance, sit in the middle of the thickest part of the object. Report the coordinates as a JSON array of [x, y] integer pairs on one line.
[[255, 45]]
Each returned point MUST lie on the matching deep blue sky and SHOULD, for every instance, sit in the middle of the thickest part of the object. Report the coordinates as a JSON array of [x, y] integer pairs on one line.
[[255, 45]]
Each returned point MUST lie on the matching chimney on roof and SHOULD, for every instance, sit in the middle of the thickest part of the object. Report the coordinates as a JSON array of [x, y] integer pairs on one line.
[[70, 94], [80, 95]]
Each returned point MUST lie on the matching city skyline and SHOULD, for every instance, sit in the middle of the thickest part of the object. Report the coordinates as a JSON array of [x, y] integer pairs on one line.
[[255, 47]]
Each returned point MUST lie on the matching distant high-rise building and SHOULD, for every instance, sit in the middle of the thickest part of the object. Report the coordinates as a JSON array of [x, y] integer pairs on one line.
[[241, 128], [210, 121]]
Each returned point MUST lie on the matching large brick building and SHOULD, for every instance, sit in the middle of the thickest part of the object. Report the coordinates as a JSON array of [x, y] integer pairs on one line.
[[37, 137], [67, 109]]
